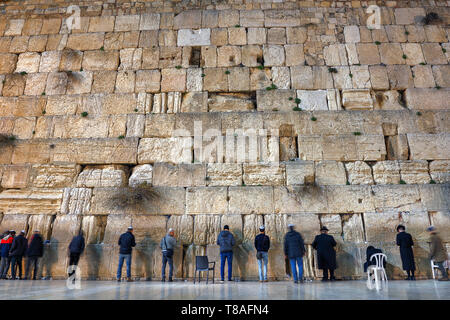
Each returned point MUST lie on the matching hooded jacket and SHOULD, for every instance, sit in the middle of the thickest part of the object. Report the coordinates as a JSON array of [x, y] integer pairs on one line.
[[126, 243], [226, 241], [294, 246], [19, 246]]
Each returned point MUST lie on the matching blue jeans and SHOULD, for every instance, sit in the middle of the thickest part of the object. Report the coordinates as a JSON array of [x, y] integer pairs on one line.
[[166, 259], [265, 260], [299, 261], [226, 256], [119, 269]]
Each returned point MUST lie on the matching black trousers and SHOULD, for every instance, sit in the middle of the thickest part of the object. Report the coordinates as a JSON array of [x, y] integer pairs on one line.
[[32, 261], [325, 273], [73, 261], [16, 260]]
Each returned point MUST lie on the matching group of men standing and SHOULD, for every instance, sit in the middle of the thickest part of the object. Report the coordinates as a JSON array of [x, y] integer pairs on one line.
[[12, 250]]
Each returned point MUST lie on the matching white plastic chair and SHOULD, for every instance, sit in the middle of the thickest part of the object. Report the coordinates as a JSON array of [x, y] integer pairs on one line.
[[376, 275], [435, 266]]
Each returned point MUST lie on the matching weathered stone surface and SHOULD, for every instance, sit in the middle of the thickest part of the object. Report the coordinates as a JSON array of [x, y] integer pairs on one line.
[[181, 175], [330, 173], [313, 99], [428, 146], [228, 103], [359, 172], [386, 172], [15, 176], [273, 55], [342, 148], [295, 199], [250, 200], [100, 60], [423, 99], [440, 171], [224, 174], [263, 174], [206, 229], [267, 100], [172, 150], [103, 176], [53, 175], [359, 99], [349, 199], [440, 220], [299, 172], [414, 172], [189, 37], [76, 201], [30, 201], [16, 222], [203, 200]]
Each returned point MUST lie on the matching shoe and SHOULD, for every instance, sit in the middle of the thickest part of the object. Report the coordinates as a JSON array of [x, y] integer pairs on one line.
[[260, 281], [443, 279], [413, 278], [170, 280], [266, 280], [409, 278], [324, 279], [333, 279], [302, 281], [221, 281], [118, 280], [130, 280], [295, 281], [163, 280]]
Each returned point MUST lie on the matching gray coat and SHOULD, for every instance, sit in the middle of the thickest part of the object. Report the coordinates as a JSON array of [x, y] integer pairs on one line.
[[170, 241]]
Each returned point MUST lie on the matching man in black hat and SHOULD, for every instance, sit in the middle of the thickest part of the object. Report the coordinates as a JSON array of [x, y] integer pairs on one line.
[[405, 242], [226, 242], [126, 243], [326, 255], [262, 245]]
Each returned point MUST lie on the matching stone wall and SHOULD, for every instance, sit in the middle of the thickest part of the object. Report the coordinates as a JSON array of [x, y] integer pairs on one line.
[[196, 114]]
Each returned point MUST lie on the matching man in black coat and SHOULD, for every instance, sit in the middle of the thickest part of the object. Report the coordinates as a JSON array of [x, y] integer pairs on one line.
[[126, 243], [76, 248], [34, 252], [405, 242], [18, 249], [294, 250], [326, 256]]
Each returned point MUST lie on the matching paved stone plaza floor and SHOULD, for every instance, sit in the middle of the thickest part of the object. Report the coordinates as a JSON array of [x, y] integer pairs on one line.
[[110, 290]]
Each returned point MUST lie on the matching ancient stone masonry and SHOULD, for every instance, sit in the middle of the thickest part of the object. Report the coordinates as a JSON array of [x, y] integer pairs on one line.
[[195, 114]]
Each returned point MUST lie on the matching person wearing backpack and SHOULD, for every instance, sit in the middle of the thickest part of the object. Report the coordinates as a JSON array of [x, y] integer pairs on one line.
[[167, 245], [262, 245], [226, 242]]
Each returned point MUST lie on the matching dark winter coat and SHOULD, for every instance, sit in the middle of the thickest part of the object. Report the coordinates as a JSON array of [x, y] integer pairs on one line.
[[126, 243], [36, 246], [369, 253], [326, 256], [294, 246], [262, 243], [437, 249], [404, 240], [5, 245], [76, 246], [19, 246], [226, 241]]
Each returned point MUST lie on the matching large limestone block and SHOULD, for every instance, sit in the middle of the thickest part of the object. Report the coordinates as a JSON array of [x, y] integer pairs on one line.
[[342, 148], [30, 201], [281, 18], [141, 174], [330, 173], [127, 23], [53, 175], [335, 55], [386, 172], [76, 201], [358, 99], [351, 34], [251, 18], [434, 197], [7, 62], [15, 176], [16, 222], [429, 146], [299, 172], [103, 176], [264, 174], [188, 19], [293, 200], [195, 102], [387, 100], [30, 152], [28, 62], [400, 77], [423, 98], [353, 228], [251, 225], [194, 81], [368, 53], [201, 200], [189, 37], [235, 222], [228, 56], [230, 103], [65, 227], [180, 175], [115, 226], [100, 60], [206, 229], [85, 41], [93, 228], [273, 55], [349, 199], [359, 172], [172, 150], [308, 224], [407, 16], [381, 226], [396, 197], [143, 201], [349, 259], [414, 172], [281, 77], [276, 227], [249, 200], [14, 85], [433, 53], [224, 174], [267, 100], [173, 80], [183, 226], [43, 223], [312, 99], [440, 171], [96, 151]]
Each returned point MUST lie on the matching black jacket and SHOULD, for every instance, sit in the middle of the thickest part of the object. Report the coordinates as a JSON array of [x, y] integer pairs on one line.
[[405, 242], [262, 243], [226, 241], [369, 253], [77, 245], [326, 256], [19, 246], [36, 247], [294, 246], [126, 242]]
